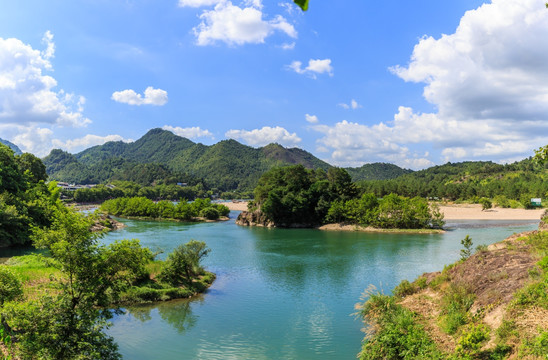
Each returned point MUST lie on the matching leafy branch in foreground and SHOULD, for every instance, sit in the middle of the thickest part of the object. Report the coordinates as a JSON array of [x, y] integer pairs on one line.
[[303, 4]]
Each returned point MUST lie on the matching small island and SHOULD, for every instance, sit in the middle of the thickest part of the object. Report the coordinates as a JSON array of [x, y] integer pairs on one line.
[[295, 197], [146, 209]]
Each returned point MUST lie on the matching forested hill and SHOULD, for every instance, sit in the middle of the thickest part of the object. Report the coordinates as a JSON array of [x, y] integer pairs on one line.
[[161, 156], [520, 181], [377, 171], [14, 147]]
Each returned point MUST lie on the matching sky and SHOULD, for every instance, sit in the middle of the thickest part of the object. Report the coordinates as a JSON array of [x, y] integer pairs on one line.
[[413, 83]]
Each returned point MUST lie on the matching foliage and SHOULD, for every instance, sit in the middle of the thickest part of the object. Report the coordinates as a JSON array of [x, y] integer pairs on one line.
[[143, 207], [68, 323], [25, 200], [376, 171], [10, 286], [183, 264], [536, 347], [467, 244], [303, 4], [455, 304], [394, 332], [470, 343], [486, 204], [466, 181]]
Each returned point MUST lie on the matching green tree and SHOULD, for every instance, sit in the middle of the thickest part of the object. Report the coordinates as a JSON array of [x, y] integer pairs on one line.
[[69, 324], [183, 264], [467, 244]]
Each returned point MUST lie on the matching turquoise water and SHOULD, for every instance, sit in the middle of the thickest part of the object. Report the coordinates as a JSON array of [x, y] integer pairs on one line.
[[281, 293]]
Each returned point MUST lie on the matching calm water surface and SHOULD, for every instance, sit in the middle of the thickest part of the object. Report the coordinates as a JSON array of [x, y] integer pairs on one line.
[[281, 293]]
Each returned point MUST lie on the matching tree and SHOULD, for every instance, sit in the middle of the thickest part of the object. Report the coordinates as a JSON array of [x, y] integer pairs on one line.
[[467, 251], [183, 264], [69, 324]]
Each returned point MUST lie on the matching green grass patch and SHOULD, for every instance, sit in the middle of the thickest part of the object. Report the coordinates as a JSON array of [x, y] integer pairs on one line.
[[398, 334]]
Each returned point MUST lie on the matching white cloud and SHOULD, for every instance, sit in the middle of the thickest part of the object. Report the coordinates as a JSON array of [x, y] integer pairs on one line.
[[34, 139], [198, 3], [189, 132], [236, 25], [76, 145], [27, 95], [314, 67], [488, 80], [265, 136], [353, 105], [313, 119], [288, 46], [151, 96]]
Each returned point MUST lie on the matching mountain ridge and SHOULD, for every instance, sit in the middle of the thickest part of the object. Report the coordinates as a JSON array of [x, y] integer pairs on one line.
[[226, 165]]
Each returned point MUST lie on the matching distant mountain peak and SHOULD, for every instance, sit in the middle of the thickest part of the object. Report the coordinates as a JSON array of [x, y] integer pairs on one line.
[[14, 147]]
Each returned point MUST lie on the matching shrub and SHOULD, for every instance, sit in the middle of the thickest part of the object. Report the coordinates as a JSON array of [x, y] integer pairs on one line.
[[183, 264], [486, 204], [398, 335], [455, 305], [10, 286], [467, 251], [209, 213], [405, 288]]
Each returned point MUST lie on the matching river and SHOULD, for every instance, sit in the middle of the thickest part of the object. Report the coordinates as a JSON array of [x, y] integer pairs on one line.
[[281, 293]]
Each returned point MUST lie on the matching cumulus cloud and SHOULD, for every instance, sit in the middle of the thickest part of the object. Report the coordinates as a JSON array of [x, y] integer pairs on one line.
[[313, 119], [314, 67], [265, 136], [353, 105], [79, 144], [235, 25], [488, 82], [26, 91], [151, 96], [189, 132]]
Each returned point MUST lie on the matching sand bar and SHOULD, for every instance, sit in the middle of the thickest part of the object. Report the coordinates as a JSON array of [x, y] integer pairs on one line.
[[474, 212], [238, 206], [456, 212]]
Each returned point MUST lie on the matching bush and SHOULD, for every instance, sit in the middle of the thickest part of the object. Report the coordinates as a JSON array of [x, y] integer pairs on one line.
[[455, 305], [486, 204], [398, 334], [405, 288], [10, 286], [209, 213], [183, 264]]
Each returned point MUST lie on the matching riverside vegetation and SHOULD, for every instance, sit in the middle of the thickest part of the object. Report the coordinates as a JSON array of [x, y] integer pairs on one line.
[[142, 207], [56, 305], [489, 305]]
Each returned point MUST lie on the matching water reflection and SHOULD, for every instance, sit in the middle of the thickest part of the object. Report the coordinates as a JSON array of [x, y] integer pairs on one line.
[[177, 313]]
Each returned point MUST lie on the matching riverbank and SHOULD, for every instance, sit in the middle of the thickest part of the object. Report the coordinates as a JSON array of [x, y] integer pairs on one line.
[[456, 212], [475, 212], [491, 305]]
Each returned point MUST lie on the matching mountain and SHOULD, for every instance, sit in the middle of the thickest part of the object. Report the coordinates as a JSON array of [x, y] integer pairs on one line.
[[14, 147], [161, 156], [377, 171]]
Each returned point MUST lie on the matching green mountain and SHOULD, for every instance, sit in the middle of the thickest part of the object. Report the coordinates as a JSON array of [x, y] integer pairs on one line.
[[14, 147], [161, 156], [377, 171]]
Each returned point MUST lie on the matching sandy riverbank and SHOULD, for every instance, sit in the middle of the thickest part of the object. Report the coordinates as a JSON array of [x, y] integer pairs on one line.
[[238, 206], [456, 212], [474, 212]]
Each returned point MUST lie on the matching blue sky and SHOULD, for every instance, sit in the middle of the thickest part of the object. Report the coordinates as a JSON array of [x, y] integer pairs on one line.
[[412, 83]]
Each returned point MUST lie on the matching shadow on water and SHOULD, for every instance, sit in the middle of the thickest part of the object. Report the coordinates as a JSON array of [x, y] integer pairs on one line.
[[177, 313]]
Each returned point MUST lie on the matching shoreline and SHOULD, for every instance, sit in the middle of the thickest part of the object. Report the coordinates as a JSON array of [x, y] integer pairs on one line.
[[456, 212], [370, 229]]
